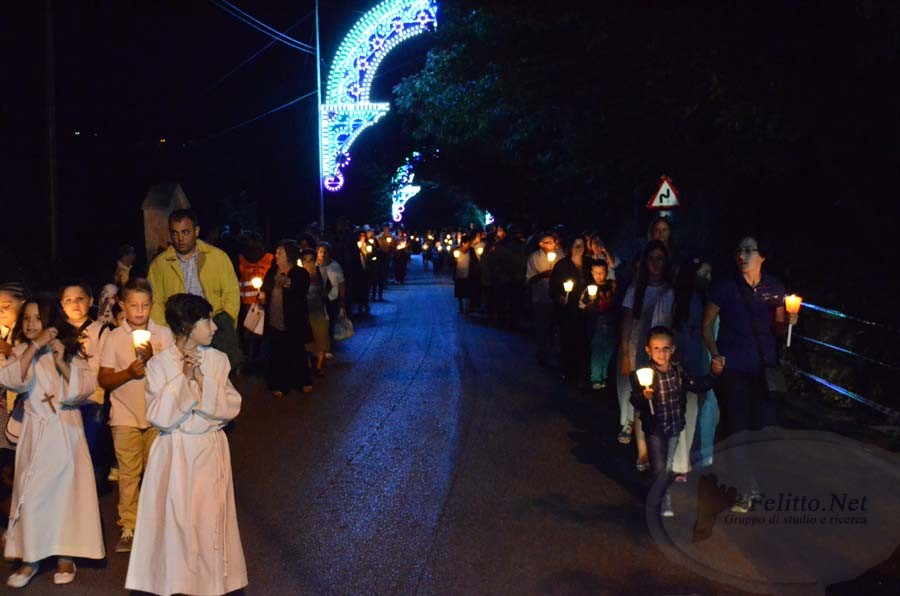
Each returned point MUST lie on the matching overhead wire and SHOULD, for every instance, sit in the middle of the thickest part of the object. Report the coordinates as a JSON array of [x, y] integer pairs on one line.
[[252, 120], [256, 54], [251, 21]]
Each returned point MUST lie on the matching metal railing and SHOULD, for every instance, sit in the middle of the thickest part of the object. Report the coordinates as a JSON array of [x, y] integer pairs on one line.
[[834, 387]]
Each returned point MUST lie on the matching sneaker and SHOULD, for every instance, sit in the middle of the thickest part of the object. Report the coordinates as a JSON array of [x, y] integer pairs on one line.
[[113, 474], [598, 386], [642, 466], [22, 576], [625, 434], [742, 505], [125, 540], [329, 356], [64, 577], [680, 477], [666, 509]]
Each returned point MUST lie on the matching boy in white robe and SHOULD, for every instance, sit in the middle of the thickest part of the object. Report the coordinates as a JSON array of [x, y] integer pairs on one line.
[[54, 505], [186, 540]]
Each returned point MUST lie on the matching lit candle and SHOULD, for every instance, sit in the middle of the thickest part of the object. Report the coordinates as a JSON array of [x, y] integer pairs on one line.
[[645, 378], [425, 246], [592, 290], [551, 256], [369, 248], [456, 254], [256, 282], [359, 244], [389, 239], [401, 246], [140, 337], [568, 286], [479, 251], [792, 305]]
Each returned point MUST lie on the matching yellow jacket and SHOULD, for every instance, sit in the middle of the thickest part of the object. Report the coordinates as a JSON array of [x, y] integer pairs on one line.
[[217, 278]]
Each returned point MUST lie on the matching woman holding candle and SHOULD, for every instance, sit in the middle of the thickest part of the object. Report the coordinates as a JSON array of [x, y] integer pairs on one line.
[[567, 282], [187, 539], [55, 512], [751, 313], [597, 313], [123, 362], [287, 331]]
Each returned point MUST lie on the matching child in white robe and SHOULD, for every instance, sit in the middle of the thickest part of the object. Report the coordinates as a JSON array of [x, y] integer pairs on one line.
[[186, 539], [54, 503]]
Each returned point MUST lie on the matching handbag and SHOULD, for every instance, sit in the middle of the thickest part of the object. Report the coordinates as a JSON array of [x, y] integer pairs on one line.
[[343, 327], [255, 320], [773, 377]]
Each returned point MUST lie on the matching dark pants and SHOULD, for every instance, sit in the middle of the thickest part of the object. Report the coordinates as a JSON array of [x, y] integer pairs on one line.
[[573, 344], [543, 313], [744, 403], [288, 364], [333, 308], [661, 450]]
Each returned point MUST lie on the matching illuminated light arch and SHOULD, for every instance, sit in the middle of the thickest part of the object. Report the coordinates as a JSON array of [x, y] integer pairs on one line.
[[348, 110], [403, 187]]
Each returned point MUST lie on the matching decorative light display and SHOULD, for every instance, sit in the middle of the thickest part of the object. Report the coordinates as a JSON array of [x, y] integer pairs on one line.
[[488, 218], [347, 110], [402, 186]]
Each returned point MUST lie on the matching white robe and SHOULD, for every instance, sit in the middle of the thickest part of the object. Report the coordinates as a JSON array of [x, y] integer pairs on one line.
[[54, 508], [186, 539]]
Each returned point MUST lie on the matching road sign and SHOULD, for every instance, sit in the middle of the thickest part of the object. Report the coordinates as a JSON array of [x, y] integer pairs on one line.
[[665, 197]]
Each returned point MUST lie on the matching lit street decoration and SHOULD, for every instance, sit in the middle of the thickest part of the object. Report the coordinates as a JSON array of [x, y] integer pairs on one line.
[[348, 110], [488, 218], [402, 187]]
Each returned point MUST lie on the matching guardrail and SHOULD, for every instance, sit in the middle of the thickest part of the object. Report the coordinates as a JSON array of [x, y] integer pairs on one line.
[[831, 386]]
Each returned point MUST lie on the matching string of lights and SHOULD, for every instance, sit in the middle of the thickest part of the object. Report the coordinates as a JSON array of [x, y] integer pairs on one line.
[[255, 55], [247, 19], [252, 120]]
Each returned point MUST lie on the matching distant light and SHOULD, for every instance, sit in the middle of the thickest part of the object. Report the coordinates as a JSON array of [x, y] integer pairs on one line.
[[161, 141], [77, 133]]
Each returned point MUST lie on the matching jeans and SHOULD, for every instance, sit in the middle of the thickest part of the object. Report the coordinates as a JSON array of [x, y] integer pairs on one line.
[[602, 345], [288, 364], [662, 453], [707, 420]]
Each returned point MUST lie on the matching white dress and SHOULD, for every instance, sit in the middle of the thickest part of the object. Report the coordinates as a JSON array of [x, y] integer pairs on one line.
[[186, 539], [54, 508]]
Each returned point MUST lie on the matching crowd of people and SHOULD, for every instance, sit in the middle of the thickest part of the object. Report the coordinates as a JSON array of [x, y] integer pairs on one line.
[[707, 348], [88, 384]]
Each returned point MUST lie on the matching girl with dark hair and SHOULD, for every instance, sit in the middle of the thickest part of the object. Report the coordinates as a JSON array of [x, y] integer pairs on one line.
[[186, 540], [287, 330], [56, 510], [647, 303]]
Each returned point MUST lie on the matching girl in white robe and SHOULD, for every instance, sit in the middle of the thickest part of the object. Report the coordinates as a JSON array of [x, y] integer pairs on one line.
[[186, 539], [54, 503]]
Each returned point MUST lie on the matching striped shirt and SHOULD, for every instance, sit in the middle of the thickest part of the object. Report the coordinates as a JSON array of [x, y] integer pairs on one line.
[[191, 275]]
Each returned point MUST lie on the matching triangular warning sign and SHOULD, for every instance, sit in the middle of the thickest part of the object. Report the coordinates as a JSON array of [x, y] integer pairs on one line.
[[665, 197]]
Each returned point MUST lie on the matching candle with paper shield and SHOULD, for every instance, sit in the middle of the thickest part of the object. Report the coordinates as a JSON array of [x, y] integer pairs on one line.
[[792, 304], [568, 286], [256, 282], [592, 290], [140, 337], [551, 256], [645, 378], [479, 251], [456, 254]]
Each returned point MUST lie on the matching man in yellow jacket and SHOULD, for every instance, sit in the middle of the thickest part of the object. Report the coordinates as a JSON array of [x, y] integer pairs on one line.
[[192, 266]]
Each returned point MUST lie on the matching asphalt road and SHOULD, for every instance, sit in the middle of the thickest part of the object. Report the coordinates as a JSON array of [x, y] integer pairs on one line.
[[435, 458]]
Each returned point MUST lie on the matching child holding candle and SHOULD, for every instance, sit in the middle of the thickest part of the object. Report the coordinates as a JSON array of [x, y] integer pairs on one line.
[[55, 509], [662, 404], [187, 539], [122, 368], [596, 303]]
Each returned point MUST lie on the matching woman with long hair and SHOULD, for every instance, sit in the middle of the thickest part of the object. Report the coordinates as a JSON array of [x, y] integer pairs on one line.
[[647, 303]]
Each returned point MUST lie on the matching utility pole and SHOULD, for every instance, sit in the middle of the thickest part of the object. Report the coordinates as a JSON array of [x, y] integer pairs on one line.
[[51, 138], [319, 125]]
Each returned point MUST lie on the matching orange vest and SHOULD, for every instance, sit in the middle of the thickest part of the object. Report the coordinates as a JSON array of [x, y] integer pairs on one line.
[[250, 270]]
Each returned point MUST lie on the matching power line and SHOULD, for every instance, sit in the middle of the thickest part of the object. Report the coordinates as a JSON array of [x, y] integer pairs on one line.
[[262, 27], [252, 120], [255, 55]]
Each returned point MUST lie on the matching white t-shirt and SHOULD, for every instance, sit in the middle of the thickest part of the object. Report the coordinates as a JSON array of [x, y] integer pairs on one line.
[[335, 276], [128, 407]]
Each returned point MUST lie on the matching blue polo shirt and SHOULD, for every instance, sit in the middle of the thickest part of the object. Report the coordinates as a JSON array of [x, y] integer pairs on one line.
[[735, 340]]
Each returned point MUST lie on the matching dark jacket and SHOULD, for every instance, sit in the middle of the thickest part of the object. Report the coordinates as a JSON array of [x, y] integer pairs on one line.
[[296, 309]]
